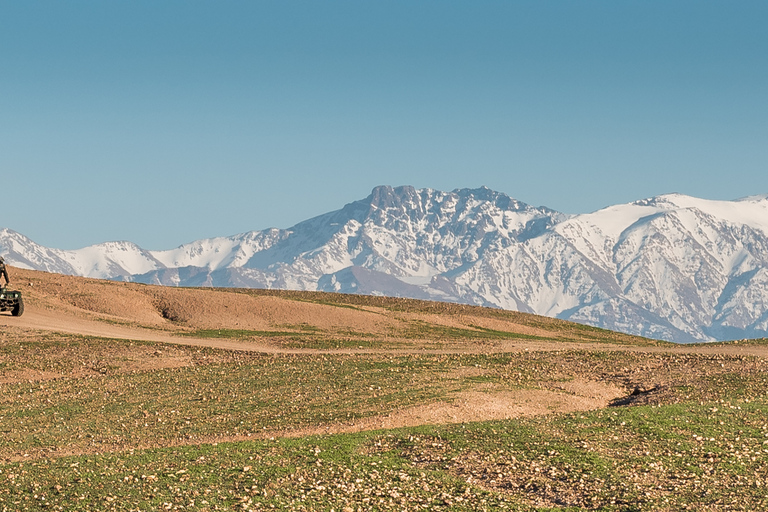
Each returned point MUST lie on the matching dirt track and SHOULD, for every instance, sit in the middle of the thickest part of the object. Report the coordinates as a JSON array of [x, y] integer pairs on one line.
[[58, 322]]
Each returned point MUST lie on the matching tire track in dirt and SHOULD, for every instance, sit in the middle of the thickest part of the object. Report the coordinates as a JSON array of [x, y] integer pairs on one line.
[[57, 322]]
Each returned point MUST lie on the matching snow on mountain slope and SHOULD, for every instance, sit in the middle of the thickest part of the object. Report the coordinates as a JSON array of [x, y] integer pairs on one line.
[[673, 267], [749, 211], [112, 259], [596, 234], [20, 251], [217, 253], [674, 255]]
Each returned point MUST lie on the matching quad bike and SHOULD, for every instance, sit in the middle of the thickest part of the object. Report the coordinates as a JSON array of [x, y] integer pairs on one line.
[[11, 301]]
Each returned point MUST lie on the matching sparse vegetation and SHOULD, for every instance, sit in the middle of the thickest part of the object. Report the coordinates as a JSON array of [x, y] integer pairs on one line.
[[620, 423], [675, 457]]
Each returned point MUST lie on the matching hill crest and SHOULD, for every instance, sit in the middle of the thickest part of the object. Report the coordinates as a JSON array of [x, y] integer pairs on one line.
[[278, 321]]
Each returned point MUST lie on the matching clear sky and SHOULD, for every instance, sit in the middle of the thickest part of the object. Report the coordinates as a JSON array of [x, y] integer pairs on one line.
[[163, 122]]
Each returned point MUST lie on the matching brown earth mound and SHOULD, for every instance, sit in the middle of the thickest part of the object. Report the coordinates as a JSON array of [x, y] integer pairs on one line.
[[98, 307]]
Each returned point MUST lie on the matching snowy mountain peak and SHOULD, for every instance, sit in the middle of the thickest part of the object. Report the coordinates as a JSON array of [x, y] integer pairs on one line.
[[673, 266], [751, 211]]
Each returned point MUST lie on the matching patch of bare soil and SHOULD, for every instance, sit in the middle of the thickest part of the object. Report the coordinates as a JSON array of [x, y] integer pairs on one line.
[[470, 406], [599, 392], [578, 395], [27, 375], [179, 309], [215, 309]]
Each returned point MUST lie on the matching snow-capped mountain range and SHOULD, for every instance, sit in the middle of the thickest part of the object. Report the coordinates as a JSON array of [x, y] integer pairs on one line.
[[671, 267]]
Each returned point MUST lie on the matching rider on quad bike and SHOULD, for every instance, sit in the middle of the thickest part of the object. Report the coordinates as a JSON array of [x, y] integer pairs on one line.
[[9, 300], [4, 272]]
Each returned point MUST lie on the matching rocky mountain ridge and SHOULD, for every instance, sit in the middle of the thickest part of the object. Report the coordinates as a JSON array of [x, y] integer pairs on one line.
[[671, 267]]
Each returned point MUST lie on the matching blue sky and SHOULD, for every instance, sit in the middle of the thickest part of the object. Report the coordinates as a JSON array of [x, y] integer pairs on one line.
[[167, 122]]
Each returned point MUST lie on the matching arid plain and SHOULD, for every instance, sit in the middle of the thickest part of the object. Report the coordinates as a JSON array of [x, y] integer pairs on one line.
[[133, 397]]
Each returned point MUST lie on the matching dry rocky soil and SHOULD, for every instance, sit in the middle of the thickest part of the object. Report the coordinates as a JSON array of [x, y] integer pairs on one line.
[[193, 317], [95, 375]]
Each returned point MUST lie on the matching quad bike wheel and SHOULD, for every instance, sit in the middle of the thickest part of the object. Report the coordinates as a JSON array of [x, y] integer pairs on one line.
[[18, 309]]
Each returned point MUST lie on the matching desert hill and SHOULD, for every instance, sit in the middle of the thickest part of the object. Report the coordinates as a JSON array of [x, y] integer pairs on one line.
[[157, 313]]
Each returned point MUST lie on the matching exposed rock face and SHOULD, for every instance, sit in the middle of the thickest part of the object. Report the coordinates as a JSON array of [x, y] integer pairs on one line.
[[671, 267]]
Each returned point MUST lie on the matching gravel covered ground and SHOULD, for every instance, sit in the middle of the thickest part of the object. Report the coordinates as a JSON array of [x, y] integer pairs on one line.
[[117, 396]]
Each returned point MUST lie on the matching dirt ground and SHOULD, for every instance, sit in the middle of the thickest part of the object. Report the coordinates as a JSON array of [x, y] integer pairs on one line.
[[65, 304], [486, 405]]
